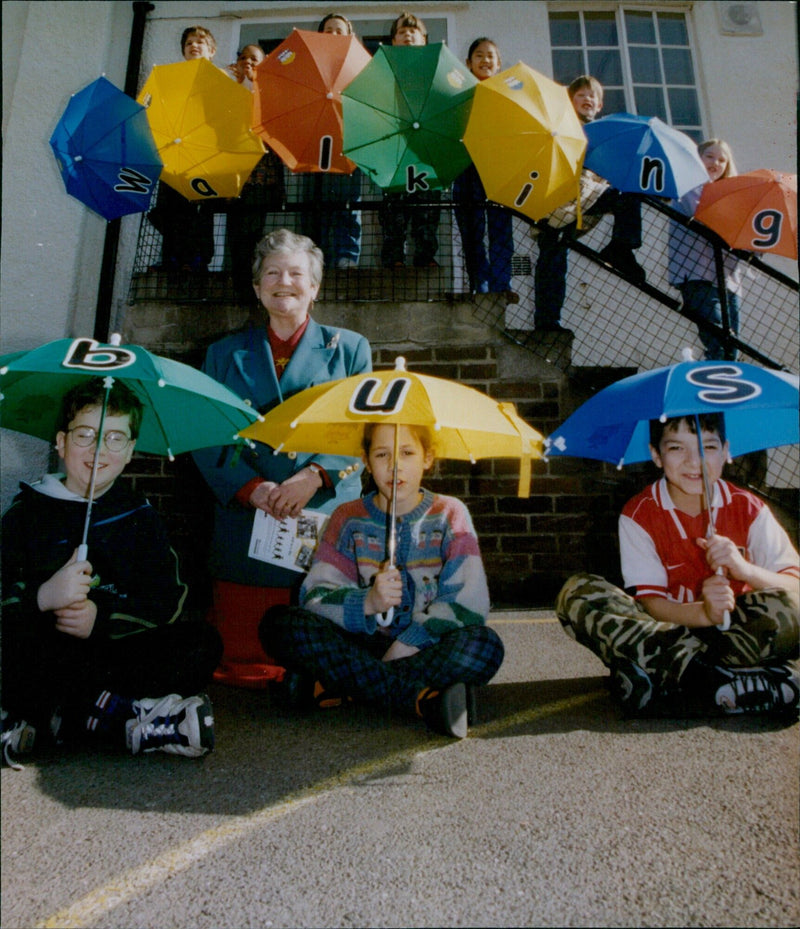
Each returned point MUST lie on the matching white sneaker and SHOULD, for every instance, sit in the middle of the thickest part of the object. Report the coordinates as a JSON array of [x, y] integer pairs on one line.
[[172, 724]]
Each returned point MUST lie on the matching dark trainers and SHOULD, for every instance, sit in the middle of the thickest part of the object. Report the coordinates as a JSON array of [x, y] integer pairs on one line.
[[18, 738], [172, 724], [301, 692], [630, 686], [444, 711], [757, 690], [622, 258]]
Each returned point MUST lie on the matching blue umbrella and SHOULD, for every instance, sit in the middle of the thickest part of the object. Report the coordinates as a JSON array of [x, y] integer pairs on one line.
[[105, 151], [760, 407], [643, 155]]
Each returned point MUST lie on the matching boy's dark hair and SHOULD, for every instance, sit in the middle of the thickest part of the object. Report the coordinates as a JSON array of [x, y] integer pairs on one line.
[[409, 20], [585, 80], [709, 422], [122, 401], [344, 19], [207, 34]]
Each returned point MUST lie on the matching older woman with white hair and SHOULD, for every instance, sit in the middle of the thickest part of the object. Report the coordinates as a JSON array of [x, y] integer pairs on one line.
[[279, 353]]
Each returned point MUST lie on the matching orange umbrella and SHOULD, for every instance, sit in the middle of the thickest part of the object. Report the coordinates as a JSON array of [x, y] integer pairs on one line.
[[298, 106], [756, 211]]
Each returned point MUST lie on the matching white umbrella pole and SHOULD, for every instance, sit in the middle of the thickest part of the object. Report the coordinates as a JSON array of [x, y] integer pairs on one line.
[[83, 548], [726, 622], [386, 620]]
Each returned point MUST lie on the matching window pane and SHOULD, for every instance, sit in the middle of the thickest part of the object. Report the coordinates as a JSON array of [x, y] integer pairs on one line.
[[567, 65], [640, 28], [645, 66], [565, 29], [613, 101], [678, 66], [684, 105], [601, 29], [695, 135], [650, 102], [606, 66], [672, 29]]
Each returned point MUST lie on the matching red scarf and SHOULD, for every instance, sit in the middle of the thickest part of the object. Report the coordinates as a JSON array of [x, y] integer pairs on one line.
[[283, 349]]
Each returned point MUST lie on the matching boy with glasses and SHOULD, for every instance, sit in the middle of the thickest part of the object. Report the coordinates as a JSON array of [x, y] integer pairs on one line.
[[96, 647]]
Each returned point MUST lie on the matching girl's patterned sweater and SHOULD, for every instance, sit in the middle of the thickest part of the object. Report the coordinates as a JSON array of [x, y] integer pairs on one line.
[[444, 582]]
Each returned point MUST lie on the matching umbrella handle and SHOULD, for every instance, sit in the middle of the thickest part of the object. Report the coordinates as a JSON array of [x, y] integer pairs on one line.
[[725, 625], [385, 619], [83, 552]]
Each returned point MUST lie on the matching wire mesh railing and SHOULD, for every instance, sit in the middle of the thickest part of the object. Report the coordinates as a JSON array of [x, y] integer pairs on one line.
[[609, 318]]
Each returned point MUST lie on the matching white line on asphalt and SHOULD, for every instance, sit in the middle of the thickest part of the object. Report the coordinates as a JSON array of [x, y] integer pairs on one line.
[[138, 881]]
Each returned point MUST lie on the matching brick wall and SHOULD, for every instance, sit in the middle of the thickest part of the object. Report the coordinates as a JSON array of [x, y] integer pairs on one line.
[[530, 545]]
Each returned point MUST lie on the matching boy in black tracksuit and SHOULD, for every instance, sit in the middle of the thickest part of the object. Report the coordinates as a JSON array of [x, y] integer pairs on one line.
[[97, 646]]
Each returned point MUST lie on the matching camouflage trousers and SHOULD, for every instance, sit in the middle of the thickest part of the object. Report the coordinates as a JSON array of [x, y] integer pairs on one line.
[[763, 629]]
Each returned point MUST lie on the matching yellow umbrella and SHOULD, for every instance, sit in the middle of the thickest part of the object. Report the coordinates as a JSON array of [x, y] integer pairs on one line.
[[201, 121], [466, 424], [525, 141]]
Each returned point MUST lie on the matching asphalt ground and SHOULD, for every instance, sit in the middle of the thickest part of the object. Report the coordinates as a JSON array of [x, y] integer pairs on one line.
[[555, 811]]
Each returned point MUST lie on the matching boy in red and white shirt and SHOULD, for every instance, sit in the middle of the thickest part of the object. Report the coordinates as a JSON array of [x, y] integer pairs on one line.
[[660, 636]]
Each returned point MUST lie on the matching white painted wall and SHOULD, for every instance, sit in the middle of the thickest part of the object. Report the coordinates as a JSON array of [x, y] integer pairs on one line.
[[52, 245]]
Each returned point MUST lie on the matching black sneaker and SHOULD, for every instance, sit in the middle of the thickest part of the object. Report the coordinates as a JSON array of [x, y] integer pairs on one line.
[[17, 738], [444, 711], [172, 724], [623, 259], [771, 689], [631, 686]]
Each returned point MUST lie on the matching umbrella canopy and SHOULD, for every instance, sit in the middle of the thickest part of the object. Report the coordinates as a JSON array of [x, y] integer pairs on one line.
[[466, 423], [201, 122], [105, 151], [756, 211], [526, 141], [297, 102], [405, 116], [184, 409], [643, 155], [760, 407]]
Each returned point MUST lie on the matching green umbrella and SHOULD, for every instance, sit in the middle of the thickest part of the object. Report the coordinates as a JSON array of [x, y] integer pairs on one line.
[[184, 409], [404, 117]]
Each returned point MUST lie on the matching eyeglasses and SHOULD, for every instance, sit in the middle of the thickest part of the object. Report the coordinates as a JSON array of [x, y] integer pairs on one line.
[[85, 436]]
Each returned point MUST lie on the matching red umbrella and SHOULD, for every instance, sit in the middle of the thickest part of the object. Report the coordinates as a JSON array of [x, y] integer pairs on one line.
[[297, 105], [756, 211]]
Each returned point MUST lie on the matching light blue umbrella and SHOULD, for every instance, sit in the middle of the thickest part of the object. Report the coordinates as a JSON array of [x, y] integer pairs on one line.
[[643, 155]]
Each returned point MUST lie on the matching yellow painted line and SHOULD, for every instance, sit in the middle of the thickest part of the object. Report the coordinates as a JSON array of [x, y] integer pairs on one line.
[[140, 880]]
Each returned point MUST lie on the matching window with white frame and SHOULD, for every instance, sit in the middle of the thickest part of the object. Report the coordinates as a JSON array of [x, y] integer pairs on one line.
[[643, 59]]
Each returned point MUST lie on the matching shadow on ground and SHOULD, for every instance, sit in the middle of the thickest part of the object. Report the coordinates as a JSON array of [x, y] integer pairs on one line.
[[266, 756]]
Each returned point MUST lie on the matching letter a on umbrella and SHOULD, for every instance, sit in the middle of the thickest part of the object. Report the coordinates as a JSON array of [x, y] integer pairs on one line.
[[201, 122]]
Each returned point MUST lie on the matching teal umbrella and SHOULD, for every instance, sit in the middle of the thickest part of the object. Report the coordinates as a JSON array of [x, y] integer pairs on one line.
[[404, 117], [184, 409]]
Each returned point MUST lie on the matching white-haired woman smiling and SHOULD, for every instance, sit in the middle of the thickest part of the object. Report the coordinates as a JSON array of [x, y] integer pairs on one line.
[[279, 353]]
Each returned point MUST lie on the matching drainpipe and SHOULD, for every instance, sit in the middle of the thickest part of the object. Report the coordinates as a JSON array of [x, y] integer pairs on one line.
[[105, 288]]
